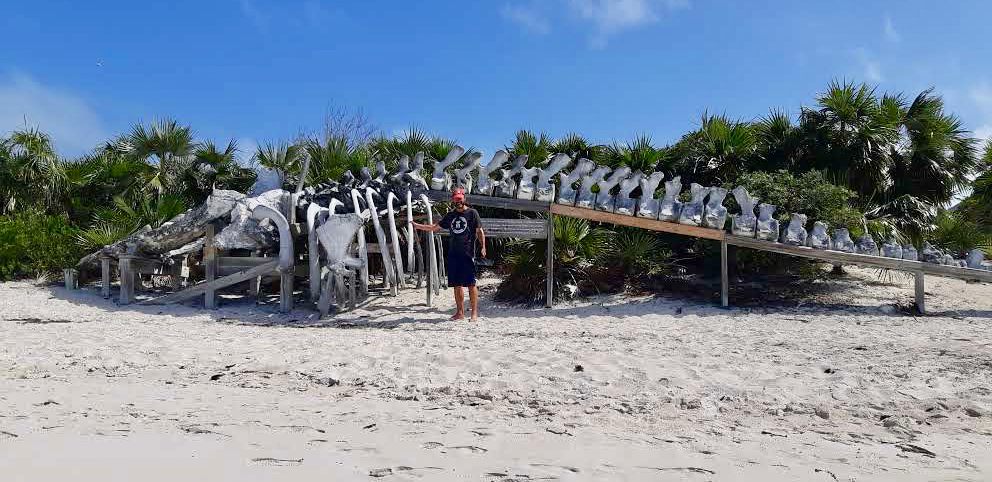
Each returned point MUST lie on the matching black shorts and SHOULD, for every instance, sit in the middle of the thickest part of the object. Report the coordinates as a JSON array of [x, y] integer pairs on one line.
[[461, 271]]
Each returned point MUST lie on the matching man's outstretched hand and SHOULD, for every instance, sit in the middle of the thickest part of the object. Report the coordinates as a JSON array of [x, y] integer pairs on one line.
[[483, 251]]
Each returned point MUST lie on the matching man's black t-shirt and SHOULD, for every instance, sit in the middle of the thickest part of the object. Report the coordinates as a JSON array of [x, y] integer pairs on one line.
[[461, 225]]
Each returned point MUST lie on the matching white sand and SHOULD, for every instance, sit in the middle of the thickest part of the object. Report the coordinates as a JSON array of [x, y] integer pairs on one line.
[[109, 393]]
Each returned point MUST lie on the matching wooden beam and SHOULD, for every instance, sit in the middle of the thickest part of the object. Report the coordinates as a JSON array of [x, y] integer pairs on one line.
[[105, 277], [644, 223], [210, 265], [724, 276], [286, 292], [549, 262], [127, 280], [494, 202], [838, 257], [214, 285], [920, 301]]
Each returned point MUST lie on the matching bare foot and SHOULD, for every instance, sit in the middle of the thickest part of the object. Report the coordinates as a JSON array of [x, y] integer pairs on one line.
[[475, 317], [458, 316]]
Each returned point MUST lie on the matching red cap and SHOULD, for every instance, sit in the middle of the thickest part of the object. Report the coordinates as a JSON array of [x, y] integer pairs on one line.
[[458, 194]]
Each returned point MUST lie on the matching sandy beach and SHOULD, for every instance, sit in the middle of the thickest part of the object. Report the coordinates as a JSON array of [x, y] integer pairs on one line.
[[843, 386]]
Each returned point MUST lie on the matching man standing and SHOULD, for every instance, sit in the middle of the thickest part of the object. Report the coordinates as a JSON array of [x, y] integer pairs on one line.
[[465, 227]]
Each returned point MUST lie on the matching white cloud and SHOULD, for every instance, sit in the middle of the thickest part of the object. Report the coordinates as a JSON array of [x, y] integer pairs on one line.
[[527, 17], [872, 69], [612, 16], [74, 126], [981, 94], [311, 14], [983, 134], [890, 30]]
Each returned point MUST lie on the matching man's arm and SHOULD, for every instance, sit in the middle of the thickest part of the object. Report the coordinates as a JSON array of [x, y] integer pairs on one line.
[[426, 227], [480, 234]]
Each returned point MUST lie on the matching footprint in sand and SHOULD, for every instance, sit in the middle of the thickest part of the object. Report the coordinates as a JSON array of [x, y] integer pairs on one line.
[[468, 449], [558, 469], [276, 462], [432, 445]]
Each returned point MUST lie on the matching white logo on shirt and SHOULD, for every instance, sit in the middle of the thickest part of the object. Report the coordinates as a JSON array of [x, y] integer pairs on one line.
[[459, 225]]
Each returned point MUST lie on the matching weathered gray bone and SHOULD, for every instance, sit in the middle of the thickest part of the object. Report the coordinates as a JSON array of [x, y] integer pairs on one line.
[[262, 212], [527, 187], [363, 253], [568, 179], [335, 235], [842, 241], [744, 224], [414, 176], [795, 233], [484, 185], [387, 263], [402, 166], [819, 238], [909, 252], [670, 208], [866, 245], [767, 227], [930, 254], [586, 198], [892, 249], [624, 204], [692, 211], [380, 172], [976, 259], [463, 176], [395, 239], [606, 200], [441, 180], [545, 189], [507, 185], [432, 283], [648, 204], [314, 212], [715, 214]]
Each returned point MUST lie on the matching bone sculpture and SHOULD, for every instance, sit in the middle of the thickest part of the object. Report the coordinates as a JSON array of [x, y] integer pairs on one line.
[[432, 282], [930, 254], [335, 235], [380, 173], [605, 200], [866, 245], [366, 178], [670, 208], [402, 166], [545, 189], [819, 238], [507, 186], [313, 249], [567, 181], [910, 253], [795, 232], [842, 241], [715, 215], [892, 249], [624, 204], [484, 185], [744, 224], [363, 253], [526, 189], [767, 226], [387, 262], [463, 176], [441, 181], [413, 176], [409, 230], [692, 211], [647, 205], [586, 198], [395, 238]]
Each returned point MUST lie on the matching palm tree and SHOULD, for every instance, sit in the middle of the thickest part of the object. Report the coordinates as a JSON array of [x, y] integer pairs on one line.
[[284, 158], [214, 168], [537, 148], [718, 152], [164, 145], [29, 168], [639, 155], [332, 157], [578, 147]]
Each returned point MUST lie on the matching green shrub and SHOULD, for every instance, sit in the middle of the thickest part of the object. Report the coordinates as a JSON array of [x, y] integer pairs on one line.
[[32, 243]]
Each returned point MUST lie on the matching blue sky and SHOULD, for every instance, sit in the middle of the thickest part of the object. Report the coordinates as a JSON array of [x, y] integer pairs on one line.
[[263, 70]]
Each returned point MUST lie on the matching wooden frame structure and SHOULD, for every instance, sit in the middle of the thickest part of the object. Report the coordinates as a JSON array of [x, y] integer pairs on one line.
[[918, 268]]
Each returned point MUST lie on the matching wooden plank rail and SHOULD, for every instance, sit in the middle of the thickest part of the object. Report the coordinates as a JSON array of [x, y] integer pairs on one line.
[[493, 201], [644, 223], [214, 285]]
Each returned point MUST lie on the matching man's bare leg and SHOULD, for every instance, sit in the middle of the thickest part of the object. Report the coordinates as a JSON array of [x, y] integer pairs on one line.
[[473, 297], [459, 304]]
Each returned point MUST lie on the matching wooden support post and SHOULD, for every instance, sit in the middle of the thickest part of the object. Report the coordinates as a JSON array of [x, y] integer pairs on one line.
[[175, 272], [127, 280], [210, 266], [286, 292], [724, 278], [254, 284], [432, 268], [351, 286], [105, 277], [550, 261], [920, 304], [71, 277]]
